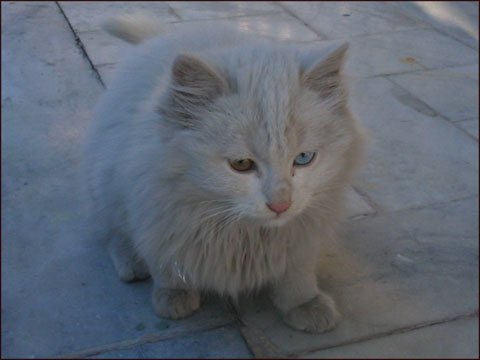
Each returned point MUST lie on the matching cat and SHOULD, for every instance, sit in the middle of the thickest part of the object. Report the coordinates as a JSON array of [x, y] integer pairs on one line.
[[217, 160]]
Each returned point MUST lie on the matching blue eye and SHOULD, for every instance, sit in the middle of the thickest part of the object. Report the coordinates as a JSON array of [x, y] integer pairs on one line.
[[304, 158]]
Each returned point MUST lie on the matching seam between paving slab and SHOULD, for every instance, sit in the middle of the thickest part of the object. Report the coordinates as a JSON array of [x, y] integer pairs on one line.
[[363, 195], [380, 335], [466, 119], [403, 72], [172, 11], [457, 125], [79, 43], [146, 339], [433, 26], [417, 207], [296, 17], [434, 111], [259, 345]]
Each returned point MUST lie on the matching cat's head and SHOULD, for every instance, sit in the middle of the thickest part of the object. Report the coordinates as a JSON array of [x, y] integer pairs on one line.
[[265, 135]]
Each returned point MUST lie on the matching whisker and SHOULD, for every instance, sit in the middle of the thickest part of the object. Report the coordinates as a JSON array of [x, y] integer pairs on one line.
[[216, 213]]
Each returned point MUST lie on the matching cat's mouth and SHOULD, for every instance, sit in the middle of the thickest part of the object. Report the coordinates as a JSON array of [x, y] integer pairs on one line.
[[270, 221], [279, 220]]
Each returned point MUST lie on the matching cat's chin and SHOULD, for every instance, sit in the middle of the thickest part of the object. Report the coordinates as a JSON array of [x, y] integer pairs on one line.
[[277, 221], [271, 222]]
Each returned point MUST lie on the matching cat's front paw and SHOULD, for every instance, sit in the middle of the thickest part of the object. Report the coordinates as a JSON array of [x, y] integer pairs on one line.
[[315, 316], [175, 303], [132, 271]]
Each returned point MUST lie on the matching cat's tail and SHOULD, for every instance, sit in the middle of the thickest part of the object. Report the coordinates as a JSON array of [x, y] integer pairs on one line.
[[133, 28]]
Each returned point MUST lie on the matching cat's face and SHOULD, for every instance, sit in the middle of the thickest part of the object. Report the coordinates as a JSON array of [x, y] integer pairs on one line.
[[266, 155]]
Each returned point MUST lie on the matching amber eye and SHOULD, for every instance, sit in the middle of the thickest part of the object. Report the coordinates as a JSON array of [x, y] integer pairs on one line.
[[242, 165]]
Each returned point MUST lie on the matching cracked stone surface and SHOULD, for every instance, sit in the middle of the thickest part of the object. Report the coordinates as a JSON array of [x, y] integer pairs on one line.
[[404, 270], [455, 339]]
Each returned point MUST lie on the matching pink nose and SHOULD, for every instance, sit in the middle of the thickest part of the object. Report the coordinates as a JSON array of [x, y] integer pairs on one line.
[[279, 207]]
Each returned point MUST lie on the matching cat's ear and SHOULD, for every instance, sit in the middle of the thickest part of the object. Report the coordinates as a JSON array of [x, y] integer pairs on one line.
[[194, 84], [322, 72], [195, 81]]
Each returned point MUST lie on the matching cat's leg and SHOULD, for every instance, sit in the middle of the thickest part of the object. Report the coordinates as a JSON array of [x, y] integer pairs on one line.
[[173, 298], [129, 266], [303, 305]]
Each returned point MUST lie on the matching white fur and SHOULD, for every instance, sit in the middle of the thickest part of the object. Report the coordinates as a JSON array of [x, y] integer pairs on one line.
[[157, 168], [133, 28]]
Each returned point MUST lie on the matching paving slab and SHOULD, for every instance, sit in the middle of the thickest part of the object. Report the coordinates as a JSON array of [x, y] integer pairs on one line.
[[41, 101], [458, 19], [222, 343], [196, 10], [88, 16], [279, 26], [103, 48], [108, 71], [341, 20], [389, 272], [455, 339], [56, 277], [406, 51], [452, 92], [415, 158]]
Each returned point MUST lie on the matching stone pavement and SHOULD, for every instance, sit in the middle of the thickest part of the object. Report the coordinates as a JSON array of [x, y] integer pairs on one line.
[[405, 272]]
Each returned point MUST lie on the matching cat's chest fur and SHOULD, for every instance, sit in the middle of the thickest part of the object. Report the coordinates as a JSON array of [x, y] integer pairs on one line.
[[230, 261]]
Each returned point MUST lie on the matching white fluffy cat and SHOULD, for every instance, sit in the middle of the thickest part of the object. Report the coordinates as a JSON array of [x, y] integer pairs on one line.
[[217, 161]]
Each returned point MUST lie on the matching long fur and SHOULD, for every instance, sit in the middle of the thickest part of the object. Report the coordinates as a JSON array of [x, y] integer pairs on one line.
[[154, 157]]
